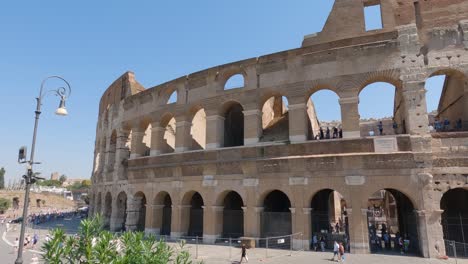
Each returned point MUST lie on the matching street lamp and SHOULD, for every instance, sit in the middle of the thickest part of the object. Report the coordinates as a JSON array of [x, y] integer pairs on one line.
[[30, 178]]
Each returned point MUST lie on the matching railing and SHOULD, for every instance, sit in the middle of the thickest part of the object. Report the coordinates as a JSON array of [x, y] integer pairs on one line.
[[455, 249]]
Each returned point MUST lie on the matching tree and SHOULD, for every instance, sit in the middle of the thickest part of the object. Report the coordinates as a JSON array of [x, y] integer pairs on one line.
[[63, 178], [86, 184], [94, 245], [49, 183], [4, 205], [2, 178]]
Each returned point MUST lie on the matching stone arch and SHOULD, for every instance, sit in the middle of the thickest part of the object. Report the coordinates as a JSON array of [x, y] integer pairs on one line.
[[233, 124], [139, 208], [192, 213], [329, 215], [454, 204], [276, 217], [228, 75], [168, 95], [162, 213], [232, 217], [198, 128], [388, 76], [168, 123], [391, 213], [321, 124], [107, 210], [275, 117], [451, 113], [372, 124], [121, 215], [98, 203]]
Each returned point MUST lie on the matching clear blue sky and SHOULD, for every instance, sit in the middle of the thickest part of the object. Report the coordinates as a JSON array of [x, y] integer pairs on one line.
[[91, 43]]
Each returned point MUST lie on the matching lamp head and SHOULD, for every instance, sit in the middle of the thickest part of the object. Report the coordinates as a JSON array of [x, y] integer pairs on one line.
[[61, 110]]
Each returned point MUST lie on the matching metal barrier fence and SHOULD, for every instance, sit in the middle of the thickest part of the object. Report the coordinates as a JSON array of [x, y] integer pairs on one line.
[[456, 249], [229, 249]]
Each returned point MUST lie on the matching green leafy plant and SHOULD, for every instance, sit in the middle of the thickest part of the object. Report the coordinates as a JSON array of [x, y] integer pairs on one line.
[[92, 244]]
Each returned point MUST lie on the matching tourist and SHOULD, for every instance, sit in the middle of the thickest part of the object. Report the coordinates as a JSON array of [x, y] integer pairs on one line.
[[386, 239], [380, 127], [27, 240], [437, 125], [337, 227], [395, 127], [322, 244], [336, 248], [47, 238], [35, 240], [340, 132], [321, 133], [335, 132], [406, 244], [400, 244], [16, 245], [342, 252], [327, 133], [244, 254], [315, 242], [459, 124], [446, 124]]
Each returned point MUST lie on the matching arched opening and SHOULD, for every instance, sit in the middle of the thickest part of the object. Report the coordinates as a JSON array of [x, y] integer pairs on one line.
[[140, 206], [166, 216], [169, 125], [234, 126], [455, 219], [275, 119], [324, 115], [107, 210], [121, 216], [172, 98], [276, 216], [235, 81], [233, 215], [378, 119], [447, 101], [147, 141], [198, 130], [392, 223], [196, 215], [329, 219]]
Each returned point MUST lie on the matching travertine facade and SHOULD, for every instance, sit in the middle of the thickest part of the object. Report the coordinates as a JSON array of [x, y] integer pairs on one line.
[[155, 162]]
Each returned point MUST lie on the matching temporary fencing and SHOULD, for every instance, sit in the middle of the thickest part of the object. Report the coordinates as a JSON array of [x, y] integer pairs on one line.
[[456, 249]]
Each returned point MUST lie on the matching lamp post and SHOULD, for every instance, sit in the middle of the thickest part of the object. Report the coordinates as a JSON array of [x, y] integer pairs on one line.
[[30, 178]]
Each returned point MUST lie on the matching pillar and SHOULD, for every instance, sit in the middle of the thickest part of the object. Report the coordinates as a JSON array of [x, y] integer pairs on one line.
[[297, 122], [109, 159], [299, 222], [153, 211], [157, 137], [121, 153], [137, 146], [252, 218], [214, 131], [358, 231], [183, 140], [350, 117], [304, 220], [431, 236], [416, 118], [114, 221], [212, 223], [133, 213], [252, 126], [180, 220]]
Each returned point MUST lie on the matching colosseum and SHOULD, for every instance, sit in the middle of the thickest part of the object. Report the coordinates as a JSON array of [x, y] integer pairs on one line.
[[196, 156]]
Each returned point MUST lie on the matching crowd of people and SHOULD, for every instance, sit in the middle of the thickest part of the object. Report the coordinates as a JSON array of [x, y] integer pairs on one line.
[[445, 125], [386, 241], [328, 133], [43, 217]]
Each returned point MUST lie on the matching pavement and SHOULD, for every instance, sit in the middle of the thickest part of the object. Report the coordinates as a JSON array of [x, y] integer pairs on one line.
[[211, 254]]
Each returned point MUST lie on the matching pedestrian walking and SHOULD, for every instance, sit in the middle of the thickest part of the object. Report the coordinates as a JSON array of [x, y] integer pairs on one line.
[[342, 252], [315, 242], [336, 249], [244, 254], [16, 245], [35, 240], [322, 244]]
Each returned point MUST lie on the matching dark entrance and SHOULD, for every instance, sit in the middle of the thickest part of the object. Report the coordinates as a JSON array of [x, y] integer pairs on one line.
[[107, 210], [141, 212], [234, 126], [276, 216], [233, 216], [166, 216], [392, 221], [196, 216], [455, 220], [122, 211]]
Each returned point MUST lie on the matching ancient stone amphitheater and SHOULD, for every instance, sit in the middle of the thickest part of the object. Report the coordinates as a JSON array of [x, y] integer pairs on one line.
[[192, 157]]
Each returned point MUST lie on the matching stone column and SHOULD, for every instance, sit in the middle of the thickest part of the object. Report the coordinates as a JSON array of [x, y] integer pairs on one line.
[[431, 236], [137, 149], [121, 153], [114, 221], [350, 117], [157, 137], [303, 225], [297, 122], [212, 223], [358, 231], [133, 213], [252, 221], [416, 118], [108, 156], [297, 222], [180, 220], [252, 126], [149, 220], [214, 131], [183, 140]]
